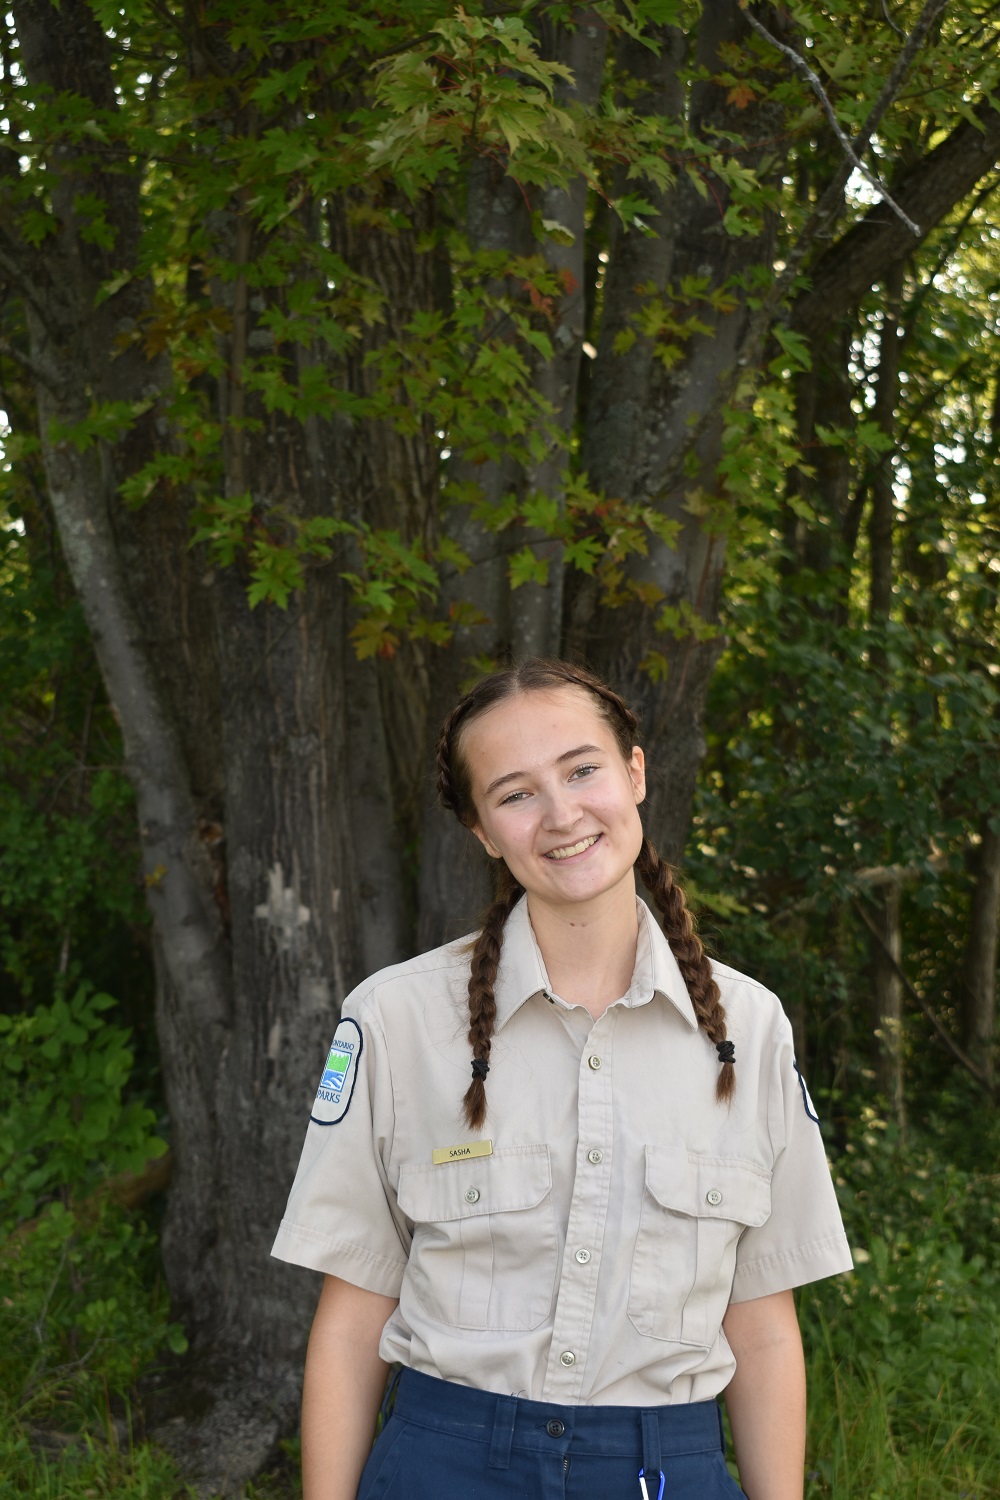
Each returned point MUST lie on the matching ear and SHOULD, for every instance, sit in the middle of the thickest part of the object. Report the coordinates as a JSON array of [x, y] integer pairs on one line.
[[491, 849], [637, 771]]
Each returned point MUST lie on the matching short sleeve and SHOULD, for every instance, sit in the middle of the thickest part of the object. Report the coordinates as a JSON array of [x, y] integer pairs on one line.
[[342, 1217], [803, 1240]]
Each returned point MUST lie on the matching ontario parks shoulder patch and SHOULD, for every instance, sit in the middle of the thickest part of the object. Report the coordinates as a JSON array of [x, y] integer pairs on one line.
[[333, 1097], [807, 1103]]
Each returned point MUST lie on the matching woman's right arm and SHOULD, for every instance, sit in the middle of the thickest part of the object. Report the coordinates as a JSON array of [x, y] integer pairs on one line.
[[344, 1381]]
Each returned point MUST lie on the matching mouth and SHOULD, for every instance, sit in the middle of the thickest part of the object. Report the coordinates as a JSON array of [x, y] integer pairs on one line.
[[568, 851]]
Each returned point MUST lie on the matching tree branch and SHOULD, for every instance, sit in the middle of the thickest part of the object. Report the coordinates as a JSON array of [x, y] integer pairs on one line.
[[24, 272], [930, 189], [876, 875], [943, 1034], [803, 69], [956, 171], [889, 21], [853, 149], [831, 201], [35, 371], [900, 68]]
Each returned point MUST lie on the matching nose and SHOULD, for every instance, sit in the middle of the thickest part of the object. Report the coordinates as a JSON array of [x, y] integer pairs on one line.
[[560, 812]]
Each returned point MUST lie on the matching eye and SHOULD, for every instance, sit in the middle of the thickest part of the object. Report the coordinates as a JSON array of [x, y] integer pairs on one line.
[[512, 797], [583, 771]]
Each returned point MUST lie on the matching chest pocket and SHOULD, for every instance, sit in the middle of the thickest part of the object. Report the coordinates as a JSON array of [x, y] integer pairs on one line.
[[484, 1251], [694, 1209]]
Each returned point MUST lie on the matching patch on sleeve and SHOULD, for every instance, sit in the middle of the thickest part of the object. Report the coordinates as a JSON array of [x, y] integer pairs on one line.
[[333, 1097], [806, 1101]]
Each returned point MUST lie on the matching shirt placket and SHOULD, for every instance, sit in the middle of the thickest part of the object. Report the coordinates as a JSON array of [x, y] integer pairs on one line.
[[576, 1302]]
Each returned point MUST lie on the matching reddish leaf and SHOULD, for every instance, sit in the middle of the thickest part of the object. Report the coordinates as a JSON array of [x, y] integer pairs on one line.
[[741, 95]]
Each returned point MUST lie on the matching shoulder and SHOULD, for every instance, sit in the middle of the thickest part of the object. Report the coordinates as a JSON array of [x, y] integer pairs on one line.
[[416, 981], [747, 999]]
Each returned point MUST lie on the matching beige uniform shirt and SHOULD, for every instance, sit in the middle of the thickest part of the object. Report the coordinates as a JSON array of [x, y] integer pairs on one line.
[[590, 1256]]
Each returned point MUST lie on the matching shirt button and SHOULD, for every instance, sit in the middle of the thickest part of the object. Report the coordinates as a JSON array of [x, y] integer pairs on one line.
[[583, 1256], [594, 1062], [472, 1195], [595, 1157], [714, 1197], [567, 1358], [555, 1428]]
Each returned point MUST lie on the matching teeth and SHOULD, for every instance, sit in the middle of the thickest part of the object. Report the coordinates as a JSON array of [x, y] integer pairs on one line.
[[572, 849]]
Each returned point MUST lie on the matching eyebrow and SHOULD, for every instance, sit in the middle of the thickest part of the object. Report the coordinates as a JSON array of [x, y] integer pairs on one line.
[[566, 755]]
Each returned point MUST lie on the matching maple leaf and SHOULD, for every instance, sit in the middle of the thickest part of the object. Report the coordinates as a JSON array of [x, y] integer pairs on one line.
[[741, 95], [539, 303]]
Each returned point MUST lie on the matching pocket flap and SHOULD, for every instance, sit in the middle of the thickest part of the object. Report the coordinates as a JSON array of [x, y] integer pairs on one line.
[[515, 1177], [708, 1187]]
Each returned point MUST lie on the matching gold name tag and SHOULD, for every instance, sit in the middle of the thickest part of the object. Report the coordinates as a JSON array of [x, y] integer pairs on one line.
[[461, 1153]]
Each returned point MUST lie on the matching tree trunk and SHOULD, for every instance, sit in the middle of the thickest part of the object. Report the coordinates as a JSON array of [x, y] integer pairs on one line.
[[655, 430], [887, 983], [454, 877], [297, 944], [888, 1001], [883, 502], [979, 968], [537, 610]]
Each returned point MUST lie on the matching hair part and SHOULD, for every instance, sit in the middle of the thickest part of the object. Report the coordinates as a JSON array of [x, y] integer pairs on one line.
[[535, 675]]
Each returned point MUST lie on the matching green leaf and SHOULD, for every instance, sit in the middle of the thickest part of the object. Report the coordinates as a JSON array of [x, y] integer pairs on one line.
[[527, 567]]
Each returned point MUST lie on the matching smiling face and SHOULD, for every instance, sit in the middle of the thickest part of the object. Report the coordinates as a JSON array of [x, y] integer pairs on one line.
[[554, 796]]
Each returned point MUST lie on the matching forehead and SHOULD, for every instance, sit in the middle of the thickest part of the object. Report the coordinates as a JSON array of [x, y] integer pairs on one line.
[[531, 729]]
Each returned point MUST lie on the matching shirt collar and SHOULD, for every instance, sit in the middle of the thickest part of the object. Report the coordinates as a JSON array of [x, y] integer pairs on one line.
[[521, 971]]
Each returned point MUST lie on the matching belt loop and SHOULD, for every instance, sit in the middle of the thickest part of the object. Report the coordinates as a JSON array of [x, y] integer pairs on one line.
[[722, 1429], [651, 1460], [503, 1432]]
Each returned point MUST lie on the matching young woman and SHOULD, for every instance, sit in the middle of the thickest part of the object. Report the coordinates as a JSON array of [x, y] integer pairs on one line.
[[574, 1252]]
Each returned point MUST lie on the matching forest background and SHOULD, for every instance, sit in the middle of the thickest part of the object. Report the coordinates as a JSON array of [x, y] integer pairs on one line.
[[346, 350]]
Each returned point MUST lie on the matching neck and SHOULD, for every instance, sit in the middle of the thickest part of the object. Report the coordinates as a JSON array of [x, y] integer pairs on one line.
[[589, 949]]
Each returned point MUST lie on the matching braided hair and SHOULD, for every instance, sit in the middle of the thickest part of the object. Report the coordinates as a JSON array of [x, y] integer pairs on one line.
[[538, 674]]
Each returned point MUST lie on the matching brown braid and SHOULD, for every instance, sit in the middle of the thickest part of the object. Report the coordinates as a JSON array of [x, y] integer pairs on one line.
[[482, 1004], [455, 792], [692, 961]]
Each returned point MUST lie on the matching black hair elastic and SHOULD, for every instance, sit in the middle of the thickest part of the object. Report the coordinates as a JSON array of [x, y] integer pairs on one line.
[[480, 1067], [726, 1051]]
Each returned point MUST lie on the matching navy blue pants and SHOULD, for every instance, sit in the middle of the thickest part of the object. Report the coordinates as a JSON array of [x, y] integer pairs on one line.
[[446, 1442]]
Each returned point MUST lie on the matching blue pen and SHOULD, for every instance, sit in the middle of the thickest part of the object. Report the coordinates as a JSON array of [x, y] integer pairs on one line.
[[645, 1491]]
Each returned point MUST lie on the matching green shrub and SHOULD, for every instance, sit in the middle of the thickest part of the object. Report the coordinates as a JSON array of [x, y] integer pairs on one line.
[[82, 1308], [902, 1354], [67, 1125]]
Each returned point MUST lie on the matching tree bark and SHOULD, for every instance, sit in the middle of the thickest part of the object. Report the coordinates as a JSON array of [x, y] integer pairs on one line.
[[979, 967], [655, 428], [887, 987], [883, 501], [887, 956], [454, 882], [537, 610]]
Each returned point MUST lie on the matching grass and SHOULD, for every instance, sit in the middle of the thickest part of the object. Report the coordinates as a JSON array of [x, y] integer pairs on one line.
[[903, 1355], [886, 1435]]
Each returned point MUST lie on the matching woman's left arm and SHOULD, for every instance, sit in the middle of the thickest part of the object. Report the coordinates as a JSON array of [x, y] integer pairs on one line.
[[766, 1398]]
